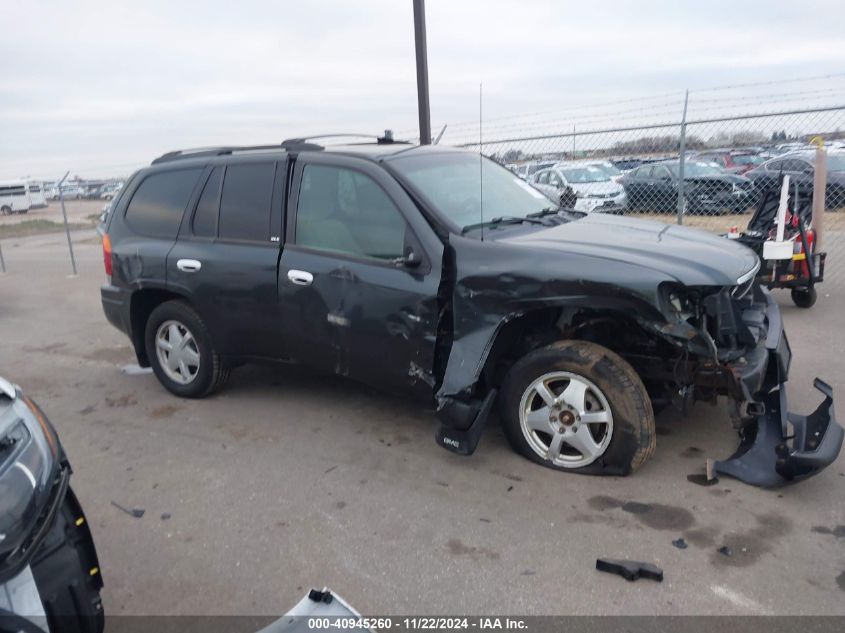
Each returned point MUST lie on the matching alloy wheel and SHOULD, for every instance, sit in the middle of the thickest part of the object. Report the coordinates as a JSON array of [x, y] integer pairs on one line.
[[177, 351], [566, 419]]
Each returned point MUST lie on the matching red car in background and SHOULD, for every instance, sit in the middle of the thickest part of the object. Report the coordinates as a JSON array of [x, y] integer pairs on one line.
[[732, 161]]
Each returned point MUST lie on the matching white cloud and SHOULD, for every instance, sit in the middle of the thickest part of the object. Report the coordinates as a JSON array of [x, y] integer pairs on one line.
[[103, 86]]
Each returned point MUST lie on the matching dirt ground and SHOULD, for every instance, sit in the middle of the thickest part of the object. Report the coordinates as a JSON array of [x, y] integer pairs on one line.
[[289, 479]]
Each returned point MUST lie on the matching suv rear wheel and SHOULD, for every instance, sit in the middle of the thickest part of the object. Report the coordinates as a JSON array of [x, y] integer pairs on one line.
[[577, 406], [181, 351]]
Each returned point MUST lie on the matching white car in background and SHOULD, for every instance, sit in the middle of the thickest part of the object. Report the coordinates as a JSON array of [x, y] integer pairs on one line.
[[592, 185], [68, 191]]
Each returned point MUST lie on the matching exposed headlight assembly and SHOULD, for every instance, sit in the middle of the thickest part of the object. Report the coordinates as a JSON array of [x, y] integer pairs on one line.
[[29, 470], [677, 301]]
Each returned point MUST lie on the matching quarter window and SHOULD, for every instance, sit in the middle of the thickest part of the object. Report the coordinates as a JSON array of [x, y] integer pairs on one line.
[[158, 204], [205, 217], [246, 201], [345, 211]]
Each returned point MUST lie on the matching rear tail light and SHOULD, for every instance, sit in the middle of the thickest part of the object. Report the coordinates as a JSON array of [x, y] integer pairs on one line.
[[800, 258], [107, 253]]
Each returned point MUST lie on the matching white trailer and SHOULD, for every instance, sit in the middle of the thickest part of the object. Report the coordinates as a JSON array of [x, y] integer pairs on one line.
[[37, 195]]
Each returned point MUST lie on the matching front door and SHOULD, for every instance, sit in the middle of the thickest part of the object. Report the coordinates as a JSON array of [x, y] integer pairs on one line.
[[359, 275]]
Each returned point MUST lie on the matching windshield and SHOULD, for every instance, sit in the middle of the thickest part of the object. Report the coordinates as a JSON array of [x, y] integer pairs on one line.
[[695, 170], [747, 160], [580, 175], [452, 183]]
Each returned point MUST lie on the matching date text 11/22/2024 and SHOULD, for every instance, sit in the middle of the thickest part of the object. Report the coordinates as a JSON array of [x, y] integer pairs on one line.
[[416, 623]]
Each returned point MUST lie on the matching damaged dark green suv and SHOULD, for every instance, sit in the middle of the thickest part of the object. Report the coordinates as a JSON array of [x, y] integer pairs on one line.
[[443, 276]]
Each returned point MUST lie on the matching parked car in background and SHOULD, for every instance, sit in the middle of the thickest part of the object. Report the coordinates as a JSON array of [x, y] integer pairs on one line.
[[594, 189], [14, 197], [732, 161], [800, 166], [626, 164], [107, 192], [533, 167], [92, 191], [708, 189], [68, 191]]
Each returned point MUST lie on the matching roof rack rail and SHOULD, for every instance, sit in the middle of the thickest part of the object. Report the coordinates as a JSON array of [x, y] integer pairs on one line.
[[303, 142], [200, 152]]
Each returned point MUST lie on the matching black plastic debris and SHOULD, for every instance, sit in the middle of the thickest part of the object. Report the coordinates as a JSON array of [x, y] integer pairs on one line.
[[165, 516], [324, 596], [134, 512], [629, 569], [726, 551], [680, 543]]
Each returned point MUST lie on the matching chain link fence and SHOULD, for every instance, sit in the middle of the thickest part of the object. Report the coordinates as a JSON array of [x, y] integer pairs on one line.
[[708, 172]]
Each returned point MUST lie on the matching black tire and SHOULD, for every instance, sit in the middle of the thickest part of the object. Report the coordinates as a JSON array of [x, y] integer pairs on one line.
[[804, 297], [211, 374], [633, 439], [5, 209]]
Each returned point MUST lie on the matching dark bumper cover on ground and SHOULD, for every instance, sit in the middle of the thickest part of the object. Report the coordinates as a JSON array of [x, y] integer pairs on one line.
[[780, 447], [784, 447]]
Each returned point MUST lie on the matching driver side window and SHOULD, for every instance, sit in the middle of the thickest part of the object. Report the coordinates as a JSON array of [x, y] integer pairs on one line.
[[344, 211]]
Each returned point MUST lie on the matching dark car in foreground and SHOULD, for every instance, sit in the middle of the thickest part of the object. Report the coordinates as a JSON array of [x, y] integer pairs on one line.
[[800, 167], [708, 189], [49, 572], [441, 275]]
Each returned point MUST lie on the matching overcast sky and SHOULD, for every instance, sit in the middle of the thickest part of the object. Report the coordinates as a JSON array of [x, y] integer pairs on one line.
[[102, 87]]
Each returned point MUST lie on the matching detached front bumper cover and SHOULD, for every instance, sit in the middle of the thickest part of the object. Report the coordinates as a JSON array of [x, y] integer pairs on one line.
[[785, 447]]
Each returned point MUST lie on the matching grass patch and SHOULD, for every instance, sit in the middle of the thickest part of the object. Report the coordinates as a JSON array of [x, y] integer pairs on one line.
[[37, 227]]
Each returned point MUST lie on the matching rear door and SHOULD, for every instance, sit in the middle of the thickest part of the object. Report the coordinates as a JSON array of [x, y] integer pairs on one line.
[[353, 307], [145, 222], [226, 257]]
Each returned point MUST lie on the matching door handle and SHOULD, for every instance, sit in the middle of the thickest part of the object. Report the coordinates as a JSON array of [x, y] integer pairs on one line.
[[189, 265], [300, 277]]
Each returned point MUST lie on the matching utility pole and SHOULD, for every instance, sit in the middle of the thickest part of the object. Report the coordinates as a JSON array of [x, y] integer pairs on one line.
[[682, 159], [422, 73]]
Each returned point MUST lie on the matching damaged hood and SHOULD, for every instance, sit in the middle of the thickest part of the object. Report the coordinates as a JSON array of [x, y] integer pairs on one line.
[[694, 258]]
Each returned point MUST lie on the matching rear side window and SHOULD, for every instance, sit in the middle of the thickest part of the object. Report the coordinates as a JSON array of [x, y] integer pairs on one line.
[[204, 223], [246, 201], [157, 206]]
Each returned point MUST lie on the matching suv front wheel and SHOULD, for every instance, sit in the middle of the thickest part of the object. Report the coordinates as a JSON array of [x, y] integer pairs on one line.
[[580, 407], [181, 351]]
